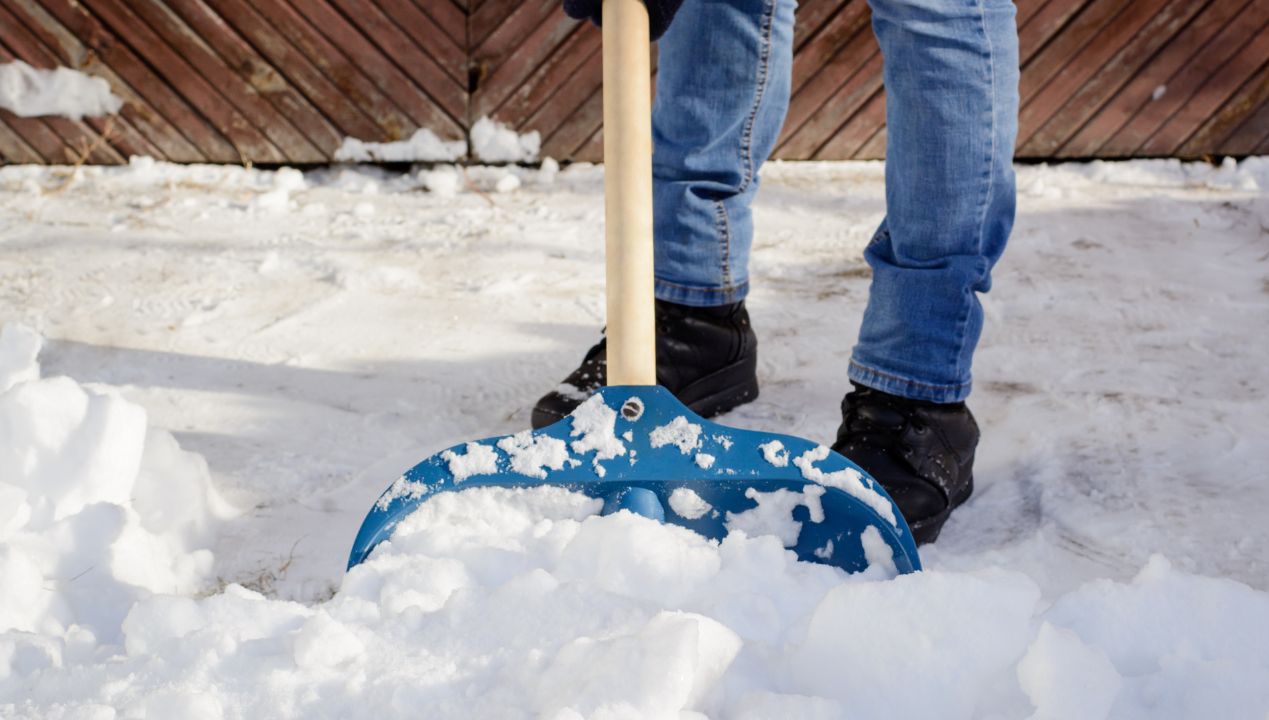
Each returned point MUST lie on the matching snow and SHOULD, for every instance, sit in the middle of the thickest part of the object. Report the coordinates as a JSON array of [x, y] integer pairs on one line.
[[679, 432], [476, 459], [97, 510], [595, 427], [847, 479], [34, 92], [686, 503], [311, 356], [533, 455], [775, 454], [422, 146], [491, 141]]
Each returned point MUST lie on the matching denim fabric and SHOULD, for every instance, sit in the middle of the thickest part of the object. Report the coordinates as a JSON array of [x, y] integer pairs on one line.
[[723, 78], [951, 74]]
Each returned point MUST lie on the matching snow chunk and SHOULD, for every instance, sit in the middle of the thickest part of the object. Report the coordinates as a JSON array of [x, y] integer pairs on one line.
[[905, 621], [324, 642], [90, 493], [684, 435], [19, 347], [492, 141], [1066, 678], [533, 454], [595, 427], [774, 514], [847, 479], [687, 504], [423, 146], [775, 454], [704, 461], [478, 460], [665, 669], [442, 181], [401, 488], [31, 92], [878, 552]]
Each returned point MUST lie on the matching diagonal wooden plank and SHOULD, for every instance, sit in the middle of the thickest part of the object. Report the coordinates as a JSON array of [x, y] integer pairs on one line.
[[802, 141], [1250, 135], [874, 148], [158, 94], [577, 55], [503, 74], [447, 46], [487, 16], [234, 86], [570, 96], [1044, 104], [1194, 74], [385, 40], [1066, 46], [576, 129], [362, 71], [855, 131], [1042, 25], [1138, 95], [226, 42], [163, 135], [1241, 104], [1197, 126], [810, 17], [207, 99], [593, 149], [1027, 9], [836, 45], [1133, 53], [121, 140], [13, 149], [449, 16]]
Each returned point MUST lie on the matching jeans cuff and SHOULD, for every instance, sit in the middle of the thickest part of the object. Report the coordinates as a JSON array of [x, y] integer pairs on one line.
[[700, 296], [888, 382]]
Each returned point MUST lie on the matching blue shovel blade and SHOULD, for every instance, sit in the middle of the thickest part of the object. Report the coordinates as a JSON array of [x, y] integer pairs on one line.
[[639, 449]]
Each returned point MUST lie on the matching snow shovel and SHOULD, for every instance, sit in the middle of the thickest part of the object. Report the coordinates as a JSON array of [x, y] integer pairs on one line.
[[633, 445]]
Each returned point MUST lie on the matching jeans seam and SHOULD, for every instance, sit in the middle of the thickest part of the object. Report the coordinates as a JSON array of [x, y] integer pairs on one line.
[[724, 240], [764, 72], [991, 175]]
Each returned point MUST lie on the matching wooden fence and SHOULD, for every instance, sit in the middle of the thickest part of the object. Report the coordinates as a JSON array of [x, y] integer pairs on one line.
[[285, 81]]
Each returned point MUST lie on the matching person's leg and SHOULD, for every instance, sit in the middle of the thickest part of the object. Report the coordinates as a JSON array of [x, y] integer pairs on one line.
[[951, 75], [951, 72], [722, 91], [723, 83]]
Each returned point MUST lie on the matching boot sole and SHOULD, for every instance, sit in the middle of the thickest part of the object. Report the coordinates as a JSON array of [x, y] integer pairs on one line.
[[927, 530]]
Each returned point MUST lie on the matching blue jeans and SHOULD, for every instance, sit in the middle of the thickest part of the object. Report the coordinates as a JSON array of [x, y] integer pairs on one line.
[[951, 76]]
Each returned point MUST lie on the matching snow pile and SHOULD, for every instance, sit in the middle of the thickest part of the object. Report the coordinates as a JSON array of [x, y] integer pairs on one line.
[[524, 603], [96, 511], [492, 141], [33, 92], [423, 146]]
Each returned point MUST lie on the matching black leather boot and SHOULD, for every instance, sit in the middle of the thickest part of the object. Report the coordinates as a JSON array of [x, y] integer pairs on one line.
[[707, 357], [922, 453]]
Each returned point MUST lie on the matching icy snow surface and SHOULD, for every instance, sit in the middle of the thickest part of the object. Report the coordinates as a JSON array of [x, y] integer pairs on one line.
[[36, 92], [314, 336]]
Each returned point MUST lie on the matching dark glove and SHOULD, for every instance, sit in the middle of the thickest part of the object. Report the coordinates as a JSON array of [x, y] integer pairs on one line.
[[660, 13]]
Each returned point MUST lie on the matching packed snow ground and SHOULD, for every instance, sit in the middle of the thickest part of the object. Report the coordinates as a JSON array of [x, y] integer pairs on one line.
[[314, 335]]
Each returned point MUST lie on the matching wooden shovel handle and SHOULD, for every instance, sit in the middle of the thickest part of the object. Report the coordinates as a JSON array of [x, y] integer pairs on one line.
[[628, 193]]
